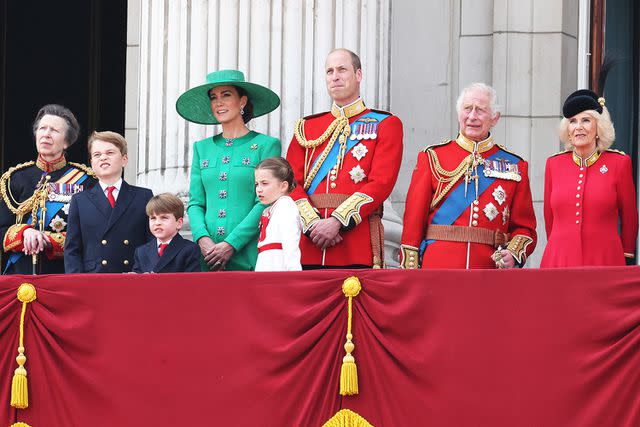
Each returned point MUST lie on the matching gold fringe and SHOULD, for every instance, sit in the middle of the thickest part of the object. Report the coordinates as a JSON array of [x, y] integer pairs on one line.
[[347, 418], [20, 425], [349, 371], [19, 387]]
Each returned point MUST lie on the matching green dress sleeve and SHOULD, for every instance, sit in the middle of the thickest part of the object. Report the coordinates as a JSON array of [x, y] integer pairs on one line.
[[197, 198], [248, 228]]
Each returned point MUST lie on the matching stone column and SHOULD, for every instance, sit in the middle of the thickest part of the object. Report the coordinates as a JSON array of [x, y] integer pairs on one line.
[[281, 44]]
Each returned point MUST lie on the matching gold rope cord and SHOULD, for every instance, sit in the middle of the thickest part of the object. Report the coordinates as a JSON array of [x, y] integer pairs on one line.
[[339, 128], [19, 390], [446, 177], [349, 372]]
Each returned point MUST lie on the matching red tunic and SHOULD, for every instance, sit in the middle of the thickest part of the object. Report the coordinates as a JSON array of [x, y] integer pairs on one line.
[[583, 206], [511, 199], [380, 165]]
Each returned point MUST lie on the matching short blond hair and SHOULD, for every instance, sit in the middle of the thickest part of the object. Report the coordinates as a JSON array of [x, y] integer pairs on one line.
[[108, 136], [605, 133], [165, 203]]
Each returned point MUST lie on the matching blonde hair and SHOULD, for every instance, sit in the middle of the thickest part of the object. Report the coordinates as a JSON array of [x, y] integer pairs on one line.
[[110, 137], [605, 133]]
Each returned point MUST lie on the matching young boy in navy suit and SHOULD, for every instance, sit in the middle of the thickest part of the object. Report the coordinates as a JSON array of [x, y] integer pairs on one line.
[[168, 252], [108, 222]]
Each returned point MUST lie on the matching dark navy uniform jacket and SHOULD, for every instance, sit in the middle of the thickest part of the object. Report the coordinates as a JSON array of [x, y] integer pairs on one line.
[[101, 239], [181, 255]]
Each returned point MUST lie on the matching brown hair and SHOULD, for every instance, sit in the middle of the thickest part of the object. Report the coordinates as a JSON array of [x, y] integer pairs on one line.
[[281, 169], [110, 137], [165, 203], [355, 59]]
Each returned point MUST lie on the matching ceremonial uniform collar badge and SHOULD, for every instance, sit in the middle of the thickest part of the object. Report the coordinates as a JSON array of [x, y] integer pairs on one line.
[[350, 110], [473, 146], [591, 159], [53, 166]]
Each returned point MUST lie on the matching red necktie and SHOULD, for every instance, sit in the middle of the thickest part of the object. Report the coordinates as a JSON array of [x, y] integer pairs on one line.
[[161, 248], [112, 200]]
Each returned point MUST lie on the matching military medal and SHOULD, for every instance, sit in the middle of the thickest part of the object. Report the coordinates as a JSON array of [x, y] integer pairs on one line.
[[58, 192], [490, 211], [500, 195], [357, 174], [500, 168], [57, 224], [359, 151], [604, 169]]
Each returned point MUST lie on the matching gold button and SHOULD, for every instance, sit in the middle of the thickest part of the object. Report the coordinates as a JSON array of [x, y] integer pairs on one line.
[[580, 182], [104, 262], [577, 213], [126, 262], [333, 185], [104, 242], [577, 196], [580, 175], [475, 216], [476, 202], [126, 242], [577, 221], [48, 177], [578, 204], [476, 209], [474, 223], [578, 187]]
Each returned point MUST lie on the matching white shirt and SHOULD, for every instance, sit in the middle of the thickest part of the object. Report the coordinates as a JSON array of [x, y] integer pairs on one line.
[[104, 187]]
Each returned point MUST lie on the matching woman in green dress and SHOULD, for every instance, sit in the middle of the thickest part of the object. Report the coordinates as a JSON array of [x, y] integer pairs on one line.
[[224, 211]]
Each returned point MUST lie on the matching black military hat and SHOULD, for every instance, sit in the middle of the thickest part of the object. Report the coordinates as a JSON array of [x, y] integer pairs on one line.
[[582, 100]]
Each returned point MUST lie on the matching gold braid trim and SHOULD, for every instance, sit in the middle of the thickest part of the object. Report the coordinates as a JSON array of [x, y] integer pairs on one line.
[[339, 127], [518, 247], [444, 176], [17, 208], [11, 241], [409, 257], [307, 214], [84, 168], [350, 208]]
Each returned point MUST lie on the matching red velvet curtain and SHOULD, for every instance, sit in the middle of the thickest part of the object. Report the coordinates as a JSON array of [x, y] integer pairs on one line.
[[433, 348]]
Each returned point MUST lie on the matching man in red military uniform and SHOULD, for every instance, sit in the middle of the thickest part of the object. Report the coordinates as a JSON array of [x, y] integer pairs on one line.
[[469, 203], [345, 162]]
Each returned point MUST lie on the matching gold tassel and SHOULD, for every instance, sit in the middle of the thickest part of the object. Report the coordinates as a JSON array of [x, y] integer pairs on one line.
[[349, 371], [19, 388], [347, 418]]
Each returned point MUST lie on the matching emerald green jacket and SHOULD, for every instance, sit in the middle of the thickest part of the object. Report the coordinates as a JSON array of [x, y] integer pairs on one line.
[[222, 198]]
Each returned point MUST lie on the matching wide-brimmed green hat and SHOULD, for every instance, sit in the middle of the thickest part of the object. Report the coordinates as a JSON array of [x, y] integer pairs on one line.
[[194, 105]]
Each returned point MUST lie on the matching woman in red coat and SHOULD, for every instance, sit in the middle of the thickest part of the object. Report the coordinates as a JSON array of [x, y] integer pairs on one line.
[[590, 211]]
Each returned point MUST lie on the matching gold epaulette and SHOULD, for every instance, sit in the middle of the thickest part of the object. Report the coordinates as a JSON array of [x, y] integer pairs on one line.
[[510, 152], [612, 150], [561, 152], [444, 142], [4, 186], [84, 168]]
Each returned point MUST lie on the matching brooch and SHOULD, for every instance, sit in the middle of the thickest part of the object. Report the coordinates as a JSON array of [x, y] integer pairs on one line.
[[204, 164], [359, 151], [357, 174], [254, 147]]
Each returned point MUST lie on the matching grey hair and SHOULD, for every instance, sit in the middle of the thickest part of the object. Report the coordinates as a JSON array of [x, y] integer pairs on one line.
[[496, 108], [73, 128], [605, 132]]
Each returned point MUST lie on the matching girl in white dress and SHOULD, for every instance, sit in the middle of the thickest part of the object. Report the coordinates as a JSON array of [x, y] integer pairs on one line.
[[280, 224]]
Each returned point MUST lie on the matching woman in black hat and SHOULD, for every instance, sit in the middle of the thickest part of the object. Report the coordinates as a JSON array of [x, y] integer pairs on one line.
[[589, 190], [36, 195], [224, 212]]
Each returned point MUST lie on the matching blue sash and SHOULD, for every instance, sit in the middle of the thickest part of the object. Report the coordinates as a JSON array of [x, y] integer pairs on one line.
[[456, 202], [332, 157], [52, 210]]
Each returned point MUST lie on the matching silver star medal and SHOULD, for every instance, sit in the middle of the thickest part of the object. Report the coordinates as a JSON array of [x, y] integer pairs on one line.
[[500, 195], [57, 224], [359, 151], [604, 169], [490, 211], [357, 174]]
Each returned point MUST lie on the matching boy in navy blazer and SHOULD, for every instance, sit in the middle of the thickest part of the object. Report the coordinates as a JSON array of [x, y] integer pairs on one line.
[[168, 252], [108, 222]]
